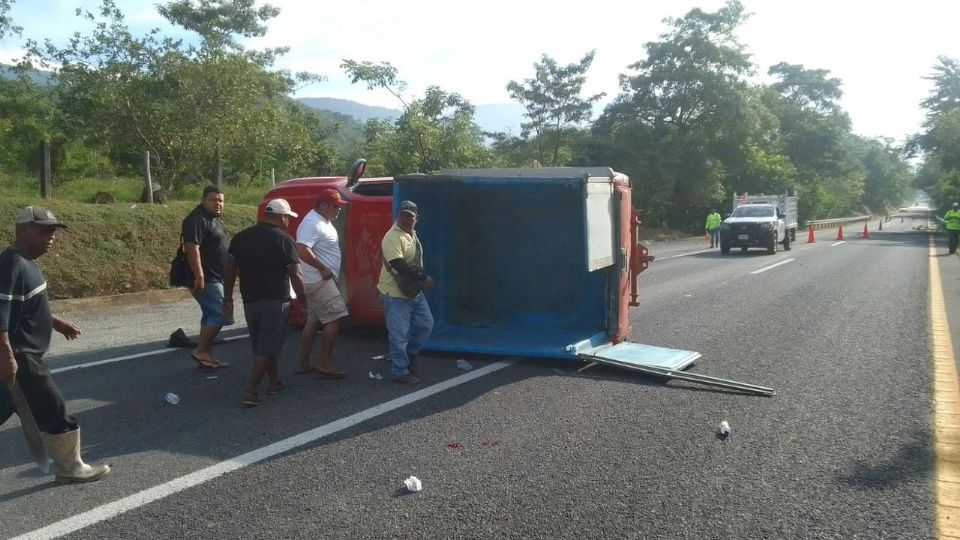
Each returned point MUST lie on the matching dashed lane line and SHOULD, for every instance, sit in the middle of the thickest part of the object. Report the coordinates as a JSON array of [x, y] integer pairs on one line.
[[147, 496], [772, 266], [132, 356], [946, 410]]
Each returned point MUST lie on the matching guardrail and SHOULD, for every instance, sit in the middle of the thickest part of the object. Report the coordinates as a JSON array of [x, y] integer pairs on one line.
[[836, 222]]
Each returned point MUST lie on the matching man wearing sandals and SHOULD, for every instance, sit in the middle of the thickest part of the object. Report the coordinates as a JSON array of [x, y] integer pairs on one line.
[[26, 325], [265, 259], [319, 248], [205, 243]]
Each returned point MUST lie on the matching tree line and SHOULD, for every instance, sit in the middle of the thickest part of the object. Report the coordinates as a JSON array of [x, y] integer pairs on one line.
[[687, 126]]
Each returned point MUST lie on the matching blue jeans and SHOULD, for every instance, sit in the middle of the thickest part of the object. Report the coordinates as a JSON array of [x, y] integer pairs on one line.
[[715, 237], [409, 323], [211, 305]]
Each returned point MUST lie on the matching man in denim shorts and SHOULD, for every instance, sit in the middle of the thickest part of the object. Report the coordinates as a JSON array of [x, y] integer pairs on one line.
[[319, 248], [205, 243]]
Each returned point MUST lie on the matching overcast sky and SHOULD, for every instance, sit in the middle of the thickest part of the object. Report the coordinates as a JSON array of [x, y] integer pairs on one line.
[[880, 50]]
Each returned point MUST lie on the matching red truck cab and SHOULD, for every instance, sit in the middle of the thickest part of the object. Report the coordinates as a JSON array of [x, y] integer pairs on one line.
[[360, 226]]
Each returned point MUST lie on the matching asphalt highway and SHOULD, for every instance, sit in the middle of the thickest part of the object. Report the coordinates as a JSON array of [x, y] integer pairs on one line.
[[519, 448]]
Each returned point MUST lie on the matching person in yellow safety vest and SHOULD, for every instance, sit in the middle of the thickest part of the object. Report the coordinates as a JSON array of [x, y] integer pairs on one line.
[[952, 219], [713, 227]]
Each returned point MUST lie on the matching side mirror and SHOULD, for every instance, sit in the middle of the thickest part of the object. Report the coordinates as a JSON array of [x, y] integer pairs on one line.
[[356, 171]]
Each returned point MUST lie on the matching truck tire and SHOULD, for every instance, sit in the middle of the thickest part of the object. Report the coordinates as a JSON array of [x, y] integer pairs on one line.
[[772, 244], [724, 247], [786, 242]]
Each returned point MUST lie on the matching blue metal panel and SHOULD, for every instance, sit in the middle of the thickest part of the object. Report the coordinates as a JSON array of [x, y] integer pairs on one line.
[[508, 255], [638, 354]]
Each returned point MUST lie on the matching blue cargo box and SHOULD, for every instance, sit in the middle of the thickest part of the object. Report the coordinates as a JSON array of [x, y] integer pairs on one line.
[[526, 261]]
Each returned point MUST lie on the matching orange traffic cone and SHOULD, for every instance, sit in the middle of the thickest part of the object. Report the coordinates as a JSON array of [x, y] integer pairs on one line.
[[810, 239], [840, 233], [866, 231]]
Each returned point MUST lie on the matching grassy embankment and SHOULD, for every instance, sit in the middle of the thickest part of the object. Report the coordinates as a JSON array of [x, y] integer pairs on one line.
[[109, 248]]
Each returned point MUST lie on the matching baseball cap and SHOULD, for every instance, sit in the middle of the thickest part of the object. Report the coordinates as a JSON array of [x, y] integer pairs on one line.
[[331, 197], [38, 215], [280, 207], [409, 207]]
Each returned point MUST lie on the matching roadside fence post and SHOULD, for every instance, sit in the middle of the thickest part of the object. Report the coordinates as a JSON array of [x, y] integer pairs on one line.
[[146, 170], [46, 183]]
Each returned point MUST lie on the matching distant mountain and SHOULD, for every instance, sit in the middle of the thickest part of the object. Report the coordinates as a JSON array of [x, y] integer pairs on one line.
[[41, 78], [359, 111], [498, 117]]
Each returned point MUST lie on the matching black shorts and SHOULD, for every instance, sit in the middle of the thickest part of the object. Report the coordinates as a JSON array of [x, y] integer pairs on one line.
[[267, 322]]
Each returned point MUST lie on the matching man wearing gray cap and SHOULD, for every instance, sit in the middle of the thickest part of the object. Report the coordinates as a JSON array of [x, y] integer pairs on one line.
[[408, 317], [26, 326]]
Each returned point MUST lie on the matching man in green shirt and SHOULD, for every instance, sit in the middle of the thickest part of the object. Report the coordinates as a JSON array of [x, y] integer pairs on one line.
[[952, 219], [713, 227]]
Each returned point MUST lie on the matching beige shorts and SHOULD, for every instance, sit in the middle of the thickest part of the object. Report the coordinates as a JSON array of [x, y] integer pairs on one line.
[[324, 302]]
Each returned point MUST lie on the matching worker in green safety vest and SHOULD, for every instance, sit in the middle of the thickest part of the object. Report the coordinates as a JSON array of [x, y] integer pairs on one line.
[[713, 227], [952, 219]]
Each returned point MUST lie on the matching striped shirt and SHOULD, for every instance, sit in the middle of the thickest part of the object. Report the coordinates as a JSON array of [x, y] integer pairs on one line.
[[24, 309]]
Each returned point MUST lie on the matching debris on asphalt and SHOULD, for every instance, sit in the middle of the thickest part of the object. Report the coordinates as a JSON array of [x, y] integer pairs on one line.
[[211, 377], [413, 484], [172, 398], [724, 429], [378, 357], [463, 365], [376, 376]]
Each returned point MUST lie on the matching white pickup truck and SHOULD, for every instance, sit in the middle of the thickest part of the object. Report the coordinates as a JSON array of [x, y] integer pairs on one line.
[[766, 221]]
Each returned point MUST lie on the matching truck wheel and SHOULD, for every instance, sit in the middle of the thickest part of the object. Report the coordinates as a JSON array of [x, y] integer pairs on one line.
[[772, 246], [724, 248], [786, 243]]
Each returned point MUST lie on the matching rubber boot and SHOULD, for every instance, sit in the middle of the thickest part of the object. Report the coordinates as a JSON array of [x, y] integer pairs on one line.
[[65, 451]]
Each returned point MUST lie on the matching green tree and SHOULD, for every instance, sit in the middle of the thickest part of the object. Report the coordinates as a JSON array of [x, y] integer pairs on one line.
[[683, 118], [434, 132], [6, 22], [188, 105], [554, 107]]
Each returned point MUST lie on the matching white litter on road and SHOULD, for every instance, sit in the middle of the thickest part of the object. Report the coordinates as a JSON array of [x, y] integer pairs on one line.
[[725, 428], [172, 398], [376, 376], [413, 484]]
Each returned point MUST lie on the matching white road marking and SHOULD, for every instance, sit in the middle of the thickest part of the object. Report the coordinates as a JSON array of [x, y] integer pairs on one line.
[[147, 496], [708, 250], [764, 269], [838, 243], [131, 356]]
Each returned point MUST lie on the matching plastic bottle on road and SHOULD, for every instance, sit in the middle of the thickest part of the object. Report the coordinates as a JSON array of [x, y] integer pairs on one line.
[[171, 398], [724, 429]]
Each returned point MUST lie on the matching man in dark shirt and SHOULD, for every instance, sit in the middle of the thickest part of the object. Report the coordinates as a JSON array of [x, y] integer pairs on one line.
[[205, 243], [25, 328], [265, 259]]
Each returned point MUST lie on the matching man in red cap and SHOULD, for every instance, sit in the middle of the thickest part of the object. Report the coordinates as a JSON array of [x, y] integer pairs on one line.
[[318, 245]]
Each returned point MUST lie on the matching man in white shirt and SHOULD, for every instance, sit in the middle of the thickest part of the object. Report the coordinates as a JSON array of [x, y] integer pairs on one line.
[[319, 249]]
